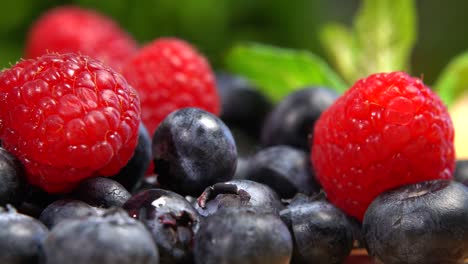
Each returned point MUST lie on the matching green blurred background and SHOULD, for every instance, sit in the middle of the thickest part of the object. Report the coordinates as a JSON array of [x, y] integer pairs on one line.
[[213, 26]]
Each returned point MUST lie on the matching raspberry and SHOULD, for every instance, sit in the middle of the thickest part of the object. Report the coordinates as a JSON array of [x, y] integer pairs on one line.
[[72, 29], [169, 74], [67, 117], [386, 131]]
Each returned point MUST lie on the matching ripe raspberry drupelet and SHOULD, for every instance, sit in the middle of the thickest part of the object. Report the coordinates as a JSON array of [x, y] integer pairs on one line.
[[74, 29], [170, 74], [67, 117], [388, 130]]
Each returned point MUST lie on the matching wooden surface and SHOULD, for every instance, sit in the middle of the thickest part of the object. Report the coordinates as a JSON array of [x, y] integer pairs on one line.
[[359, 256]]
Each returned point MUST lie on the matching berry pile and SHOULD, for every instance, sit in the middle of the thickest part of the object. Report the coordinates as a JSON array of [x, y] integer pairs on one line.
[[304, 181]]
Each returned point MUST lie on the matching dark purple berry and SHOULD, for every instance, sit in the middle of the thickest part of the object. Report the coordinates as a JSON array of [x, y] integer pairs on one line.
[[20, 237], [171, 219], [321, 232], [243, 235], [114, 238], [12, 179], [292, 120], [238, 193], [193, 149], [242, 105], [134, 172], [101, 192], [425, 222], [285, 169], [66, 209]]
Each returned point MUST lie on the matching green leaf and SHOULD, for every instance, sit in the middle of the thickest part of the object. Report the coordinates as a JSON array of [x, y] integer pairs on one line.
[[453, 82], [381, 40], [340, 46], [277, 72], [386, 32]]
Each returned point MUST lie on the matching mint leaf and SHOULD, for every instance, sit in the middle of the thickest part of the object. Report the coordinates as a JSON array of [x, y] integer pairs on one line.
[[381, 40], [386, 32], [453, 82], [340, 45], [277, 71]]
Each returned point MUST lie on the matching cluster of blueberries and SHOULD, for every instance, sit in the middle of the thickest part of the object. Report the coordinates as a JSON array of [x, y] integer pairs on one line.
[[215, 200]]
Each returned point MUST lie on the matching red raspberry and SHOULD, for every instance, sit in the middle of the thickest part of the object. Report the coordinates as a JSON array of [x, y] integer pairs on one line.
[[386, 131], [72, 29], [170, 74], [67, 117]]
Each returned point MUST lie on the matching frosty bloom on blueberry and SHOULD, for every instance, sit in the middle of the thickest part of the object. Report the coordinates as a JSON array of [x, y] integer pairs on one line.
[[67, 117], [386, 131]]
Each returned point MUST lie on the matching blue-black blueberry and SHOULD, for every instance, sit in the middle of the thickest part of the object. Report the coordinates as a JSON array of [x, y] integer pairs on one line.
[[321, 232], [101, 192], [242, 105], [172, 220], [132, 174], [66, 209], [193, 149], [13, 185], [238, 193], [20, 237], [113, 238], [243, 235], [292, 121], [425, 222], [286, 169]]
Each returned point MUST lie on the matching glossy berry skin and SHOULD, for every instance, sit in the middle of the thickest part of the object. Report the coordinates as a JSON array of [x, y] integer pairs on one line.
[[242, 105], [134, 172], [292, 121], [171, 219], [321, 232], [67, 117], [12, 179], [101, 192], [20, 238], [193, 149], [170, 74], [243, 235], [386, 131], [66, 209], [238, 193], [285, 169], [74, 29], [424, 222], [114, 238]]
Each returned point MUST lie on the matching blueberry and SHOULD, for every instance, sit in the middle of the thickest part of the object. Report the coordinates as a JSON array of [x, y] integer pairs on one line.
[[171, 219], [36, 200], [241, 168], [242, 105], [65, 209], [193, 149], [114, 238], [134, 172], [246, 144], [12, 179], [292, 120], [321, 232], [20, 237], [238, 193], [242, 235], [285, 169], [101, 192], [425, 222], [461, 171]]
